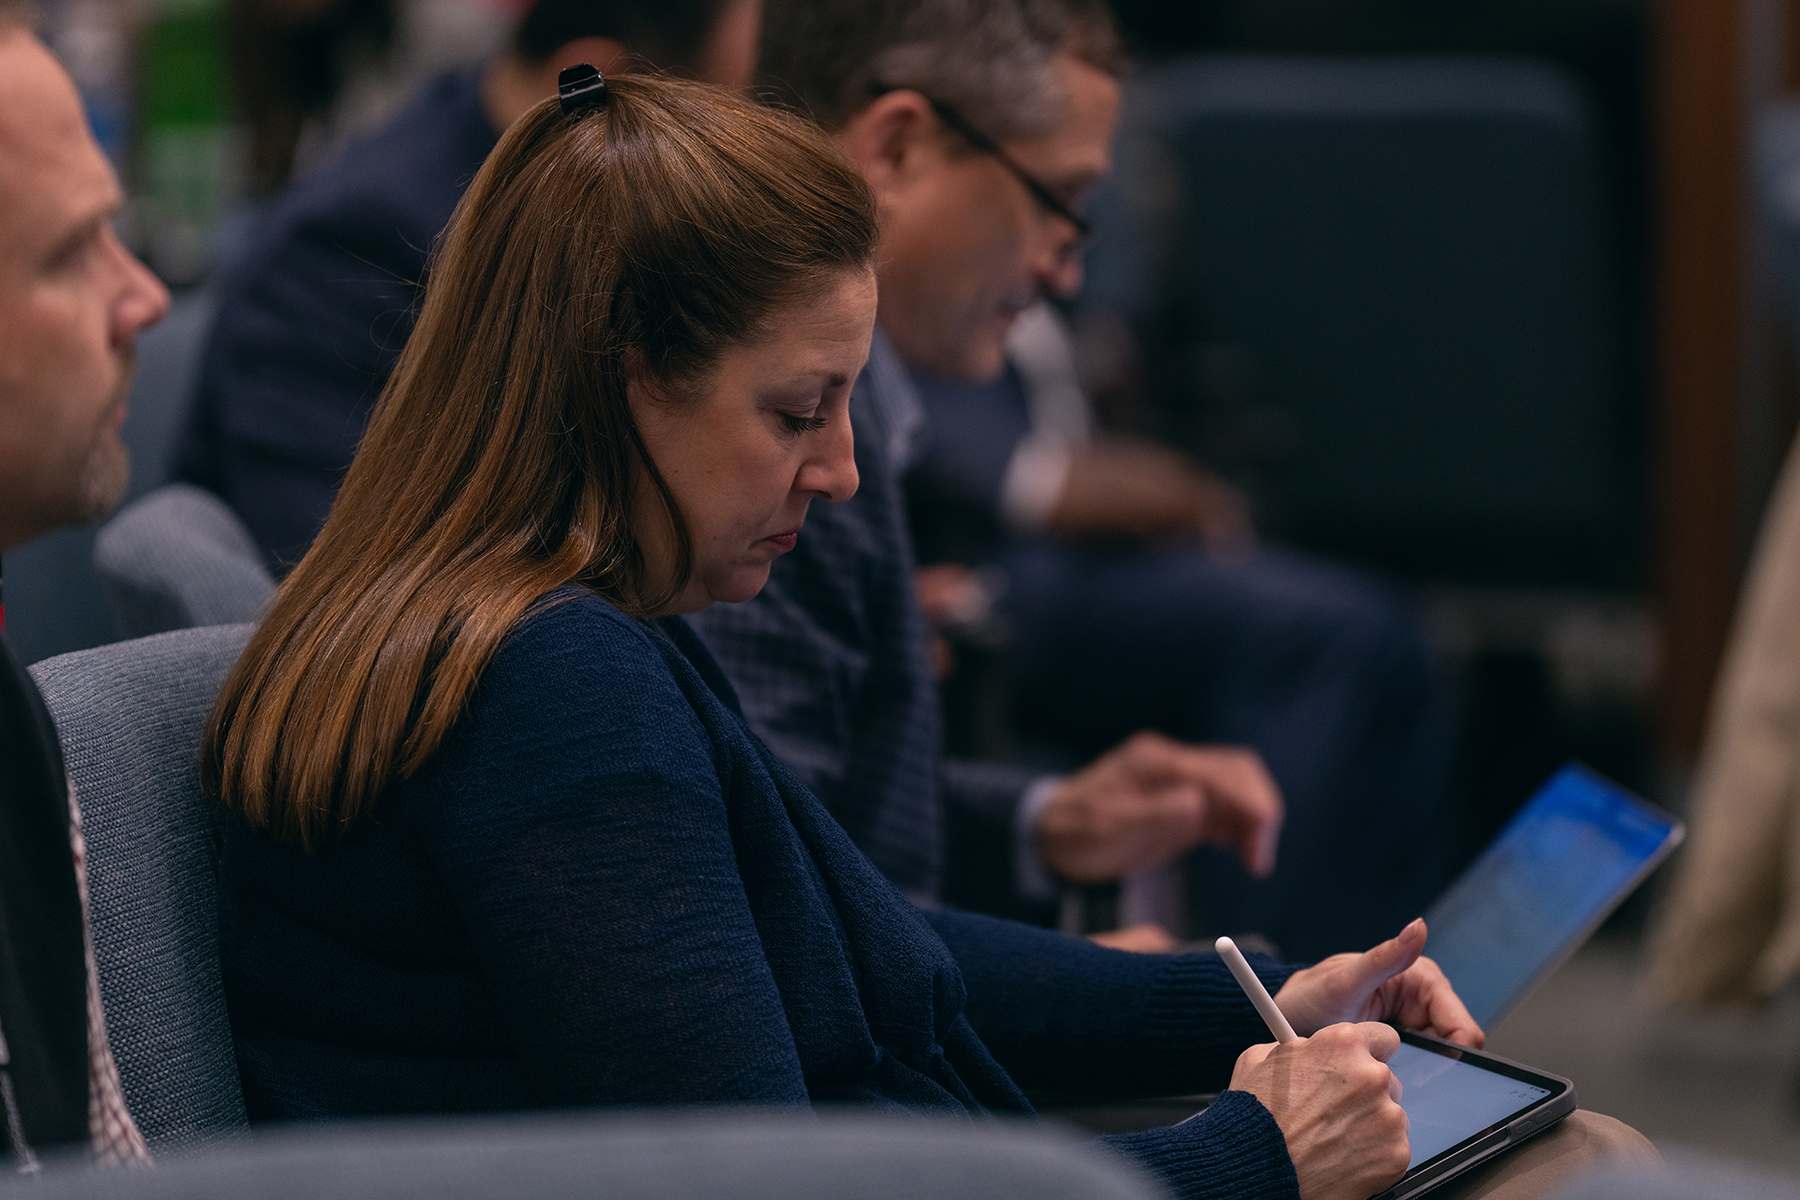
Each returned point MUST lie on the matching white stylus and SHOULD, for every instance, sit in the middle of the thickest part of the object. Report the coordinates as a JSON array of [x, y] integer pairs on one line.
[[1253, 988]]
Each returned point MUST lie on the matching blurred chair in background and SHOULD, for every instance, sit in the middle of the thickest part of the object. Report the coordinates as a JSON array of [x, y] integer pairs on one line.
[[1601, 43], [129, 719], [1384, 295], [670, 1156], [1387, 298], [179, 558]]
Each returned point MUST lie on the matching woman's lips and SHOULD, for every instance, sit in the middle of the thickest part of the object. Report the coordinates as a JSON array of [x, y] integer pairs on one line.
[[784, 541]]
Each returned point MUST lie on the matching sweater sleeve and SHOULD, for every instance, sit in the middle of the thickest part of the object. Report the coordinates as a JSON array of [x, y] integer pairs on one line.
[[1064, 1012], [585, 834], [1232, 1151], [1059, 1011]]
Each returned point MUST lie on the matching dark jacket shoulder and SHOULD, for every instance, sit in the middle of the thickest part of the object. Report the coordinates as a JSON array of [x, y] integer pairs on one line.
[[43, 968], [315, 313]]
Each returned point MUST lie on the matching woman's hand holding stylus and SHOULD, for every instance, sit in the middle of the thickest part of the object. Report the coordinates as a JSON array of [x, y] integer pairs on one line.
[[1338, 1107]]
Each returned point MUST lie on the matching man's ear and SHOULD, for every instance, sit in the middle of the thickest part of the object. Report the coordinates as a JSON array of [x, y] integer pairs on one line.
[[891, 140]]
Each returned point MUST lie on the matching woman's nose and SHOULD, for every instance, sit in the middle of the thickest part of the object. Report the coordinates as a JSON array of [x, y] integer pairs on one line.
[[831, 472]]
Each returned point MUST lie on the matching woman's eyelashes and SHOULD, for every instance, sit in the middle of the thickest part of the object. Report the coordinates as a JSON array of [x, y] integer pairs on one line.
[[797, 425]]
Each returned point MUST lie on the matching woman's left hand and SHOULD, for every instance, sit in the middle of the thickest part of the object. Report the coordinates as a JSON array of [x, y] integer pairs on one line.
[[1392, 982]]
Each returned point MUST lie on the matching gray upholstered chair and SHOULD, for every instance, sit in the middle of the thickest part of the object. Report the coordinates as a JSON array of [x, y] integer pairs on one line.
[[179, 558], [129, 716], [717, 1155]]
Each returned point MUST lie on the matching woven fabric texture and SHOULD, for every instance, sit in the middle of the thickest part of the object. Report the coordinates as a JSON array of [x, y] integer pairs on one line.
[[713, 1155], [129, 717], [179, 558]]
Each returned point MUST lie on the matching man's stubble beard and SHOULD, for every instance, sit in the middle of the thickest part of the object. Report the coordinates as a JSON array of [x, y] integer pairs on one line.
[[104, 476], [106, 471]]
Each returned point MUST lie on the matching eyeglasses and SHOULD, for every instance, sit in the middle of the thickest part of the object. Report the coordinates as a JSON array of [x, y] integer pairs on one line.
[[969, 133]]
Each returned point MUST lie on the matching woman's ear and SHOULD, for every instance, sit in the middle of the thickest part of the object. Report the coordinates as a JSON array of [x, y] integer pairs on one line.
[[640, 388]]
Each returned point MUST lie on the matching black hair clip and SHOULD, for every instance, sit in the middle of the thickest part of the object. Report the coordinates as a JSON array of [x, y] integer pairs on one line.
[[580, 88]]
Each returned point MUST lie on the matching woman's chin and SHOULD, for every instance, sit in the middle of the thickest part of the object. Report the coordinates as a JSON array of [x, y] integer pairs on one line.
[[733, 587]]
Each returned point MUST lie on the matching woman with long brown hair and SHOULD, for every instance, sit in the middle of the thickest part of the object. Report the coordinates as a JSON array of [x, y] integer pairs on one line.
[[500, 838]]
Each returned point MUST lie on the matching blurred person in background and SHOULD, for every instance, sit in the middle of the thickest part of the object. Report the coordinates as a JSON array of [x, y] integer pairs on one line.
[[308, 74], [832, 659], [288, 66], [1727, 933], [314, 315], [983, 128], [1135, 595], [72, 298]]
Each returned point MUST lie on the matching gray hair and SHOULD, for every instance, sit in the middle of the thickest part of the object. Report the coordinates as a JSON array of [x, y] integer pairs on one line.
[[989, 59]]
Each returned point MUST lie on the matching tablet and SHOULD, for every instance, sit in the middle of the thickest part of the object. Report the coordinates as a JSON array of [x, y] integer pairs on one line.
[[1465, 1106], [1570, 856]]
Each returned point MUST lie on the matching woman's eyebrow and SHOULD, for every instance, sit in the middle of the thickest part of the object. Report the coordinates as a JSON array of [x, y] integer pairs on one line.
[[811, 380]]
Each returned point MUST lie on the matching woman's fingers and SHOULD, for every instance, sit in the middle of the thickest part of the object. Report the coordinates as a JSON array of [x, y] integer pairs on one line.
[[1449, 1016], [1353, 987]]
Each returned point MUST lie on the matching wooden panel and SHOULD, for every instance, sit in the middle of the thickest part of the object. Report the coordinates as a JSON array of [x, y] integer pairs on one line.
[[1699, 356]]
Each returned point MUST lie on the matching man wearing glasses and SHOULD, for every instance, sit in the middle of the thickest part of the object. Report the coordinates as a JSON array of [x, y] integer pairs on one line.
[[980, 218], [983, 128]]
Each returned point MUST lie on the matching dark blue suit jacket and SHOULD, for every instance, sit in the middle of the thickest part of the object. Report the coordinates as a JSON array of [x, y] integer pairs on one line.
[[43, 966], [313, 317]]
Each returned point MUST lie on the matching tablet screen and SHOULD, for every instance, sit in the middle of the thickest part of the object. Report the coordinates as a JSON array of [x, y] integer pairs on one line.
[[1449, 1102], [1559, 867]]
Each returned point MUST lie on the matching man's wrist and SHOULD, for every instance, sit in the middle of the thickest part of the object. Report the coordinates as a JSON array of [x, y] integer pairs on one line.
[[1036, 476], [1031, 877]]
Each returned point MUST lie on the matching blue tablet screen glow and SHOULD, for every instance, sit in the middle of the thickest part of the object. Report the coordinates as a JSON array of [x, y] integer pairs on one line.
[[1559, 866]]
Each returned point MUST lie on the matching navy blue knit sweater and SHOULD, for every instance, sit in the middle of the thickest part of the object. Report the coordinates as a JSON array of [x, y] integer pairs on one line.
[[604, 890]]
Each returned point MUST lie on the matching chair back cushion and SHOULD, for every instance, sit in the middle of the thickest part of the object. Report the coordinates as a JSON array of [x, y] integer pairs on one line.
[[694, 1155], [130, 716], [1392, 290], [179, 558]]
